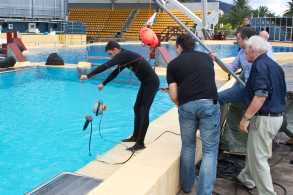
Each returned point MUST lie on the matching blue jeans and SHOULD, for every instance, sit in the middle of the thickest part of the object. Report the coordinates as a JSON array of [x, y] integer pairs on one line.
[[235, 94], [205, 116]]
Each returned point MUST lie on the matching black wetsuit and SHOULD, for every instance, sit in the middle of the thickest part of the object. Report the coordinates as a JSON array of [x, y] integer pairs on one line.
[[147, 91]]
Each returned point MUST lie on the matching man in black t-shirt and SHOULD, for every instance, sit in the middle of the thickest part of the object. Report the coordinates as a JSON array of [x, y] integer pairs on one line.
[[192, 87]]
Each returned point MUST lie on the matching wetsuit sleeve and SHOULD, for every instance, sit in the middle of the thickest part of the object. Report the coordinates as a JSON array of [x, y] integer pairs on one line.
[[113, 75], [120, 58]]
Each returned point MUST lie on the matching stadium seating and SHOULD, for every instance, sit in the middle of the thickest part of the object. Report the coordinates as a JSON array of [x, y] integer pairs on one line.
[[102, 23], [106, 22], [163, 21]]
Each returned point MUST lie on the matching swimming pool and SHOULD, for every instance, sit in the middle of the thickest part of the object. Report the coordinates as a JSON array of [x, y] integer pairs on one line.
[[42, 114], [75, 55]]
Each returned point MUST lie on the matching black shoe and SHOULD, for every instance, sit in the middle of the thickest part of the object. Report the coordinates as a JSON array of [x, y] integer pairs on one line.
[[131, 139], [136, 147]]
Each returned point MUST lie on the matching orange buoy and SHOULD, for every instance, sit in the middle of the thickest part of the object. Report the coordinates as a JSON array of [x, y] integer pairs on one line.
[[148, 37]]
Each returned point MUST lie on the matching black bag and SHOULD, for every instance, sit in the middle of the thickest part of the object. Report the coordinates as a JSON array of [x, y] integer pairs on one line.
[[54, 59], [7, 62]]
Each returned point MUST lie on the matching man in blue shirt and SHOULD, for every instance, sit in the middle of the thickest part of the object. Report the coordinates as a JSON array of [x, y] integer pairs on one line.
[[236, 93], [266, 89]]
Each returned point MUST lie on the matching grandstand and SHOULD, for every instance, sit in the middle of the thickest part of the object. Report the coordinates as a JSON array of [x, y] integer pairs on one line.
[[99, 19], [107, 23], [161, 26], [102, 22]]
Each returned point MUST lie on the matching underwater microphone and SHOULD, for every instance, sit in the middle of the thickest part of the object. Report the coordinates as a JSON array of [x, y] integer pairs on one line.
[[88, 119], [98, 108]]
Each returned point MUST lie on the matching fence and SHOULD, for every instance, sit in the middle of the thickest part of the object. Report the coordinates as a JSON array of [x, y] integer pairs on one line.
[[279, 28]]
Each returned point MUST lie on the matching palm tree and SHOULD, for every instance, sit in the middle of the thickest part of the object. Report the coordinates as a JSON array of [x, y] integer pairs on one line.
[[239, 11], [289, 12], [262, 11]]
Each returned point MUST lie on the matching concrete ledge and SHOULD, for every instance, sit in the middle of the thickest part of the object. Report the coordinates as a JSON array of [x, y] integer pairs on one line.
[[153, 171]]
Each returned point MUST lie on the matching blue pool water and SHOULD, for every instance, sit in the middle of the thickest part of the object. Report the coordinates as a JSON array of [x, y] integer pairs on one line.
[[73, 56], [42, 114]]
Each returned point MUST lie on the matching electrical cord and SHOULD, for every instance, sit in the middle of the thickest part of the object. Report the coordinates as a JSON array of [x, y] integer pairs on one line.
[[282, 187], [90, 139], [101, 135], [133, 152]]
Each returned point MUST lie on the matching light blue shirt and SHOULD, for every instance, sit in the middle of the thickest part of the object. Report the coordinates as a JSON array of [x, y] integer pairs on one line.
[[270, 53], [241, 62]]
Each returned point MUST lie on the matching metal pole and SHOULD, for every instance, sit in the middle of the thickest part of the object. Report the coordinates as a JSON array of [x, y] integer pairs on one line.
[[32, 12], [218, 60], [55, 7], [291, 30], [205, 16]]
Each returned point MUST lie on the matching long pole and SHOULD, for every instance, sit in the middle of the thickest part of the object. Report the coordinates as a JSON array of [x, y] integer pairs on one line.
[[205, 17], [218, 60]]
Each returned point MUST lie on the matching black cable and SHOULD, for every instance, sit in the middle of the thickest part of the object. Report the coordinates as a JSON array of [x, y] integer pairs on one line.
[[133, 152], [282, 187], [90, 139], [171, 132], [101, 135], [118, 163]]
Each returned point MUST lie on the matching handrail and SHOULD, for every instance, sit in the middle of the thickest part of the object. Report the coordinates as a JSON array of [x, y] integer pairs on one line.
[[218, 60]]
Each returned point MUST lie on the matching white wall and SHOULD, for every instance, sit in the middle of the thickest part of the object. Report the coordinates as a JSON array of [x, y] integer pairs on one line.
[[108, 1], [30, 8], [198, 6]]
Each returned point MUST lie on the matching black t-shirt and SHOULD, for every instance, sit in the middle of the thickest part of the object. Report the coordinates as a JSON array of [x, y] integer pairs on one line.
[[194, 74]]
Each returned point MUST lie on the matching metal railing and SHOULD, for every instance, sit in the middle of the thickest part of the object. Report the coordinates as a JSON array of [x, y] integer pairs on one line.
[[218, 60], [279, 28]]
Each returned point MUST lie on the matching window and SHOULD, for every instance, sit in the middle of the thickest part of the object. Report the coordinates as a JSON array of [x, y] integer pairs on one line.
[[10, 26]]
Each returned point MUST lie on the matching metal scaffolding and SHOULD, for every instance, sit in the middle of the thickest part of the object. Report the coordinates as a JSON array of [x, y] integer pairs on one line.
[[33, 9]]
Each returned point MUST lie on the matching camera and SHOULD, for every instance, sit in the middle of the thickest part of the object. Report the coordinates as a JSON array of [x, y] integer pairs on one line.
[[99, 108]]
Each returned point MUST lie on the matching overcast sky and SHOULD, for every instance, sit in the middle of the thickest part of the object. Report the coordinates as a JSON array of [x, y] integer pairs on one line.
[[276, 6]]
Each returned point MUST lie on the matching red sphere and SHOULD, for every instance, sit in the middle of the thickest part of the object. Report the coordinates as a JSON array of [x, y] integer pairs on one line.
[[148, 37]]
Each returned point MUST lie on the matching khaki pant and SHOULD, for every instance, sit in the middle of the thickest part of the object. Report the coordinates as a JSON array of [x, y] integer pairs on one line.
[[257, 173]]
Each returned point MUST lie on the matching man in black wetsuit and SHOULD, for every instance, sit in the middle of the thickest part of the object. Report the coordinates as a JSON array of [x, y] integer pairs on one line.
[[147, 91]]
